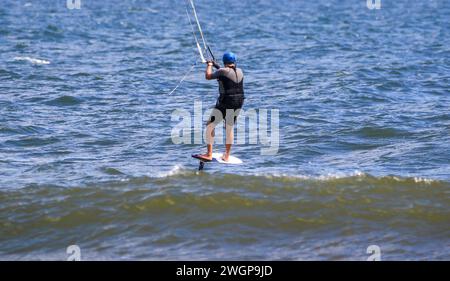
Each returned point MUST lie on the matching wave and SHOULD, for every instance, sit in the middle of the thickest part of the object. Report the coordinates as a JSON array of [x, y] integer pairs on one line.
[[201, 201], [65, 101], [342, 177], [8, 74], [32, 60]]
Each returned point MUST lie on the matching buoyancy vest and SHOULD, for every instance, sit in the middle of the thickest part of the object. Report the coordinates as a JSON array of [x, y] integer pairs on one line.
[[233, 93]]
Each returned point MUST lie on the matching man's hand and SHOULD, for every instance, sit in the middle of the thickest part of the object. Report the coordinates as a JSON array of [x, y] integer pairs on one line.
[[213, 63], [208, 72]]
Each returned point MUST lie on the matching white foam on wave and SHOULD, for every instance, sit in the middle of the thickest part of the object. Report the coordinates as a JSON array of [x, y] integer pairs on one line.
[[339, 175], [325, 177], [423, 180], [32, 60], [359, 175], [153, 11], [176, 170], [415, 179]]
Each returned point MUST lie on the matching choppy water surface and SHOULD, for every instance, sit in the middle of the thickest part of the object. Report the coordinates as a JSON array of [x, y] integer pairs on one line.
[[86, 155]]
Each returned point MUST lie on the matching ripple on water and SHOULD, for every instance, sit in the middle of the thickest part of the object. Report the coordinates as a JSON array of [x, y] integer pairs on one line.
[[32, 141], [65, 100]]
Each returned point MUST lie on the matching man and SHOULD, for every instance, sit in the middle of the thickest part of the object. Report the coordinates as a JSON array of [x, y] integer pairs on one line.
[[229, 103]]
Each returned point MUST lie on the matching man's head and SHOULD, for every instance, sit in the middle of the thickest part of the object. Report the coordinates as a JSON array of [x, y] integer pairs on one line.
[[229, 58]]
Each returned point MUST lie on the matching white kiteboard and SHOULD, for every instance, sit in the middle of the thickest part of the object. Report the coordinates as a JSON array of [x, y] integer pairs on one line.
[[217, 157]]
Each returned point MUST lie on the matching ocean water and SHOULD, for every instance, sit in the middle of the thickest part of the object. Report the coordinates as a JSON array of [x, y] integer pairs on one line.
[[87, 158]]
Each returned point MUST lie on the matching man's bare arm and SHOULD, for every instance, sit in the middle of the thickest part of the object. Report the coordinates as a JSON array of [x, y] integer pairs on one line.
[[208, 73]]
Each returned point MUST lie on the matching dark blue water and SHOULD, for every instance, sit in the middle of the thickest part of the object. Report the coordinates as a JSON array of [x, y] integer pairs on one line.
[[86, 155]]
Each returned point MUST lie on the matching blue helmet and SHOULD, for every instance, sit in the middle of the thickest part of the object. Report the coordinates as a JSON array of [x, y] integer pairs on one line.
[[229, 57]]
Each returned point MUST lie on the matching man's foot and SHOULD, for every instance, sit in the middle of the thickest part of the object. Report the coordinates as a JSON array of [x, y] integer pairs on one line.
[[225, 157], [203, 157]]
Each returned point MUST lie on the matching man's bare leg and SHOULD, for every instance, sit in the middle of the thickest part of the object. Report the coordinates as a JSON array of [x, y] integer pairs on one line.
[[229, 142], [209, 141]]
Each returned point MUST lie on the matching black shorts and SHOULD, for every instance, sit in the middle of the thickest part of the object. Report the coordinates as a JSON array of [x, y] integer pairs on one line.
[[219, 114]]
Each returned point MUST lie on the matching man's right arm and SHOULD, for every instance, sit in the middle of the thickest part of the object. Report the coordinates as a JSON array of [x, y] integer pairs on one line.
[[209, 73]]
